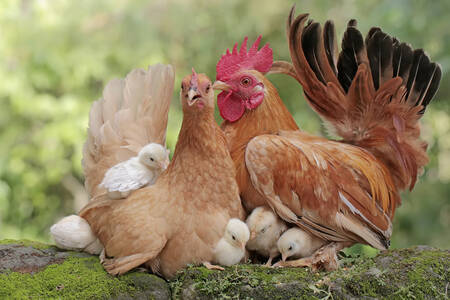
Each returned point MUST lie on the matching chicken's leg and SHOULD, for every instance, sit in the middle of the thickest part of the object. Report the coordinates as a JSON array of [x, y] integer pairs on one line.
[[325, 257], [269, 261], [210, 266]]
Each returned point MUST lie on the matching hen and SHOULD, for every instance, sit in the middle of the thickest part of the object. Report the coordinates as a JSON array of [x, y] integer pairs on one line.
[[131, 114], [347, 191], [181, 218]]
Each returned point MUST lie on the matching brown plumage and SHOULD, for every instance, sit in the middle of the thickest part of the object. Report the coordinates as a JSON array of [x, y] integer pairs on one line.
[[180, 219], [372, 94], [131, 114]]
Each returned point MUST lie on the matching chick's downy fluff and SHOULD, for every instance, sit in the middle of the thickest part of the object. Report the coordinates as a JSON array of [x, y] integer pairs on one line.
[[136, 172], [230, 249], [265, 228], [187, 208], [298, 243]]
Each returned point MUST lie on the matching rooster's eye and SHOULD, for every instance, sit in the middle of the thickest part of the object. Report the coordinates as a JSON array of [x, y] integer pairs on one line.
[[246, 81]]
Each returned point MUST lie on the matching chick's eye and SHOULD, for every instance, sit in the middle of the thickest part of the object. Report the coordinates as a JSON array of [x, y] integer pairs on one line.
[[290, 248], [151, 158], [246, 81], [207, 88], [234, 238], [263, 230]]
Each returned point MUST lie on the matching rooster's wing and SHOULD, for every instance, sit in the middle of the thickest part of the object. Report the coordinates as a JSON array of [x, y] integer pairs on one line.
[[336, 191]]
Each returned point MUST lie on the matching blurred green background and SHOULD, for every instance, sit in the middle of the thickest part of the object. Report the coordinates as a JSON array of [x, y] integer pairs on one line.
[[56, 57]]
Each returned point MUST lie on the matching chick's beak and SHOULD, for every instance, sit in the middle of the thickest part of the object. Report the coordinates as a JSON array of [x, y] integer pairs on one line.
[[283, 257], [252, 235], [220, 85], [165, 164], [242, 244]]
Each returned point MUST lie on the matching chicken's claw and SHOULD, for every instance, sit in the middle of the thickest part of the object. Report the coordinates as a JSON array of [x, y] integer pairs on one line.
[[210, 266]]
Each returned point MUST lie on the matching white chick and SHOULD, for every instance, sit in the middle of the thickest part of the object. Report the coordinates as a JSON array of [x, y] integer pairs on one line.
[[297, 243], [231, 247], [136, 172], [265, 229], [74, 233]]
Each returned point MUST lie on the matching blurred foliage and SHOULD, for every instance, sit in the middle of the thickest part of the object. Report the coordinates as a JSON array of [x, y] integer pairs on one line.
[[56, 56]]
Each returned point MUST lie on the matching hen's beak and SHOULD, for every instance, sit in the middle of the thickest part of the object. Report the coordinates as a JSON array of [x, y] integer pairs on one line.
[[252, 235], [193, 96], [165, 164], [220, 85], [283, 257]]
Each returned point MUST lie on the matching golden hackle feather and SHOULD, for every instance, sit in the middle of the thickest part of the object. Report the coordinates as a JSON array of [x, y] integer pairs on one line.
[[373, 95], [131, 113]]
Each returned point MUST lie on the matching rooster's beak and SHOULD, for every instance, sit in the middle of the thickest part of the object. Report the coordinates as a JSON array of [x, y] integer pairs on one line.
[[220, 85]]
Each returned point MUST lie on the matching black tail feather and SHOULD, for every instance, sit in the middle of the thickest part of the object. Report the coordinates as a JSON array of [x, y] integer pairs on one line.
[[379, 52], [329, 40], [310, 44]]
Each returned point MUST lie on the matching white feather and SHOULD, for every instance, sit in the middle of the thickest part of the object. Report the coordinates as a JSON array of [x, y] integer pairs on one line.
[[74, 233]]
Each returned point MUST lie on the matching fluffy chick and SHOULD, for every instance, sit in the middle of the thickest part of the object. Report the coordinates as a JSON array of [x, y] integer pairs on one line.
[[297, 243], [74, 233], [230, 249], [136, 172], [265, 229]]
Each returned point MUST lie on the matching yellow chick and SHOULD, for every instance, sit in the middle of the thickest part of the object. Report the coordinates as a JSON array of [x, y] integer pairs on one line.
[[230, 249], [265, 230], [297, 243]]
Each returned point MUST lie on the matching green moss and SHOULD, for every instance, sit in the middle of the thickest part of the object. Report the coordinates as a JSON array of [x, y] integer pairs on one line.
[[26, 243], [75, 278]]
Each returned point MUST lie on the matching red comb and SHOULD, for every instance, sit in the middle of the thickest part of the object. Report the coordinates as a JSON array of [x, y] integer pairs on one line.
[[194, 79], [260, 60]]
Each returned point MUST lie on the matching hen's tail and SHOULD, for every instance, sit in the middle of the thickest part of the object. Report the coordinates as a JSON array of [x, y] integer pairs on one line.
[[372, 94], [74, 233], [132, 113]]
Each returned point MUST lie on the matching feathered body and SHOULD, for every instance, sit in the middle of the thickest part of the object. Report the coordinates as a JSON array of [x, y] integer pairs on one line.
[[178, 220], [341, 191], [136, 172]]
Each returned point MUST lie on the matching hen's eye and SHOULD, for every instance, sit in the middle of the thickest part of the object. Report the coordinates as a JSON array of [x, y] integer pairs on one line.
[[246, 81]]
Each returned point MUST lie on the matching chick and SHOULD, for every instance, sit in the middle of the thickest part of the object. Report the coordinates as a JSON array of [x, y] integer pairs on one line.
[[231, 247], [297, 243], [136, 172], [265, 229], [74, 233]]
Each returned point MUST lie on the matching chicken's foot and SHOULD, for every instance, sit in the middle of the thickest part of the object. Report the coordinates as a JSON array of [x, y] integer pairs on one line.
[[210, 266]]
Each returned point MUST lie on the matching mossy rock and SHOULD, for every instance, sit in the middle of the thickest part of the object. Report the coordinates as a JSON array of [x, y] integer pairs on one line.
[[30, 270]]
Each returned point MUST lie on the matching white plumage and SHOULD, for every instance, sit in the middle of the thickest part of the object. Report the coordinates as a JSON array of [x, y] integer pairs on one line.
[[265, 230], [230, 249], [74, 233], [136, 172], [297, 243]]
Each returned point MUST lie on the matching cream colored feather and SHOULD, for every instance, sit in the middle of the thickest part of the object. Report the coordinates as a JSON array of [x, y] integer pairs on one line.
[[132, 113]]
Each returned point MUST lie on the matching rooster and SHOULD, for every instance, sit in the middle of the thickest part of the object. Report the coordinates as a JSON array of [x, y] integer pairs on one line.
[[180, 219], [372, 95]]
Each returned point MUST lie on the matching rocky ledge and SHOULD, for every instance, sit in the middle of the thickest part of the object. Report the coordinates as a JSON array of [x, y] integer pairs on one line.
[[34, 270]]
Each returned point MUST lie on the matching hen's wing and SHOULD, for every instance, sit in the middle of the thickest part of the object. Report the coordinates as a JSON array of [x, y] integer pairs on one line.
[[126, 176], [372, 94], [120, 227], [132, 113], [336, 191]]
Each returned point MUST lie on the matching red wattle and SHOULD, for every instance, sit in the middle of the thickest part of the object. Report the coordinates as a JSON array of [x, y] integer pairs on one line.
[[230, 106]]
